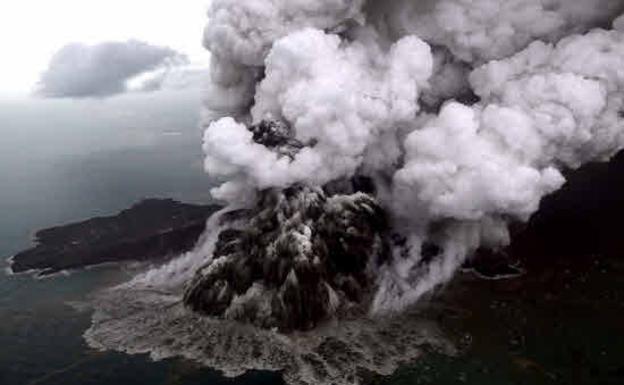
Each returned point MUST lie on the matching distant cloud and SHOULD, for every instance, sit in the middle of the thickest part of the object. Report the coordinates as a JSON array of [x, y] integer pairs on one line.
[[79, 70]]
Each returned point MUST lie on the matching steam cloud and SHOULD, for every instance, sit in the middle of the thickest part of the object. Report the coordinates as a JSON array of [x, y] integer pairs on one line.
[[377, 85], [79, 70], [462, 113]]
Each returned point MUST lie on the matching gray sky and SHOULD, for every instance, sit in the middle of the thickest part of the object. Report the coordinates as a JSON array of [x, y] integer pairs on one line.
[[31, 31]]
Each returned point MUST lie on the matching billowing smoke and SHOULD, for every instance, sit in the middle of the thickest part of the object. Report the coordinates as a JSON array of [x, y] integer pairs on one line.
[[371, 147], [79, 70], [461, 112]]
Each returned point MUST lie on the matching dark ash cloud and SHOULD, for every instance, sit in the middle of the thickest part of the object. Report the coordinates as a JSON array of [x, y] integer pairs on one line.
[[79, 70]]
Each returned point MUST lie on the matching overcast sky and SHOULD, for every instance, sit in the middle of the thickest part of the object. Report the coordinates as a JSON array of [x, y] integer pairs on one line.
[[31, 31]]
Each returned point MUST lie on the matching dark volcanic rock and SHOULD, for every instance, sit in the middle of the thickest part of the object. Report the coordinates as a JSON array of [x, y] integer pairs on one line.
[[301, 256], [153, 228], [277, 136]]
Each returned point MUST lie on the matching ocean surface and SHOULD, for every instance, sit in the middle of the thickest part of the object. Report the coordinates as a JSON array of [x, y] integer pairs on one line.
[[62, 161]]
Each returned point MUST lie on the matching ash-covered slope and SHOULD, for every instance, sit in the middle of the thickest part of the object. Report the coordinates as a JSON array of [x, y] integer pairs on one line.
[[298, 257]]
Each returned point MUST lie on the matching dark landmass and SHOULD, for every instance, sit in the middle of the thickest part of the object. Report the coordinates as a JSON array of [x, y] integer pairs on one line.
[[581, 220], [151, 229], [578, 223]]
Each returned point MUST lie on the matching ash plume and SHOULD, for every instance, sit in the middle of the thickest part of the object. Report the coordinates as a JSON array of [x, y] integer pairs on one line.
[[462, 113], [369, 149]]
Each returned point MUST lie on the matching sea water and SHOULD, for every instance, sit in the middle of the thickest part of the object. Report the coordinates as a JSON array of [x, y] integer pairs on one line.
[[68, 160]]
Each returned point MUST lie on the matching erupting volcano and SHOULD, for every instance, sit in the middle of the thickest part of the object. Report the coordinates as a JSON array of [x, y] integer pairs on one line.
[[369, 149]]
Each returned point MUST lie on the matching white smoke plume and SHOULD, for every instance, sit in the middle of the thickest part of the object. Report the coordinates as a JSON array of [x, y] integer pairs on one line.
[[545, 107], [482, 30], [464, 113], [347, 98], [361, 80]]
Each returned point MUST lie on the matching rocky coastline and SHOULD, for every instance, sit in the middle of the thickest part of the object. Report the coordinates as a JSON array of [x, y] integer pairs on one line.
[[149, 230]]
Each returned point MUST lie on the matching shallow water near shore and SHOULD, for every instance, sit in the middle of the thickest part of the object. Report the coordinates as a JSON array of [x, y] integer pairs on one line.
[[563, 324]]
